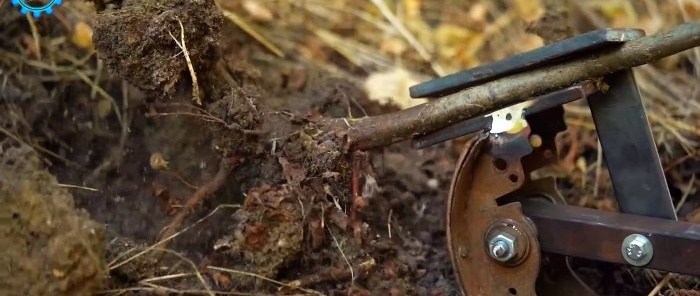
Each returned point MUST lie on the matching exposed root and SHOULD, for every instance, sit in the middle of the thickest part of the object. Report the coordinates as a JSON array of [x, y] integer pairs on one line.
[[335, 274], [358, 202], [181, 44], [225, 168], [244, 273], [114, 265]]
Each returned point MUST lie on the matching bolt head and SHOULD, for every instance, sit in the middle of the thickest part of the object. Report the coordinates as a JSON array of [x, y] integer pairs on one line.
[[502, 247], [637, 250]]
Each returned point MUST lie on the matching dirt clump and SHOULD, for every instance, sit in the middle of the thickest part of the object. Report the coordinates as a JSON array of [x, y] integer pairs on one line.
[[49, 247], [136, 40], [269, 232]]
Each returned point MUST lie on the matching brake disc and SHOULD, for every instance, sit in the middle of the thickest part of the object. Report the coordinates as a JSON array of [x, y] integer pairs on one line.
[[493, 246]]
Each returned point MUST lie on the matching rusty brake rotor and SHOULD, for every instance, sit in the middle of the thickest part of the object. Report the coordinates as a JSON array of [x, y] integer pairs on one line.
[[493, 246]]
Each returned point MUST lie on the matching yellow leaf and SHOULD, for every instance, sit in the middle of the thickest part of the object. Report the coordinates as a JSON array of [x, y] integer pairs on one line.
[[104, 108], [392, 87], [619, 13], [82, 35], [412, 8], [393, 45], [528, 10], [258, 11], [458, 46]]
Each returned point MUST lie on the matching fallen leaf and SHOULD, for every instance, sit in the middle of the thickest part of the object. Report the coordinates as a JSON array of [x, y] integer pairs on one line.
[[82, 35], [458, 46], [158, 162], [694, 216], [528, 10], [317, 233], [293, 172], [255, 235], [391, 86], [222, 280], [104, 108], [258, 11]]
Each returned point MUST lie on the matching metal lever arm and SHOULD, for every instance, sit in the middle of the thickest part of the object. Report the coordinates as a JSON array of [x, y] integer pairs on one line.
[[598, 235], [629, 149]]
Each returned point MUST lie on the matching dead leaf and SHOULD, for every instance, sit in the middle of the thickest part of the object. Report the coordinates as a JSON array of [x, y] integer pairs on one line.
[[317, 233], [694, 216], [222, 280], [391, 86], [684, 292], [255, 235], [158, 162], [82, 35], [528, 10], [258, 11], [393, 45], [266, 196], [458, 46], [390, 269], [293, 172], [104, 108], [338, 218]]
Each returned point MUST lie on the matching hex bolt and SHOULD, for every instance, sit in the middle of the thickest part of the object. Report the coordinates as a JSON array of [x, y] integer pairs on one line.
[[502, 247], [637, 250]]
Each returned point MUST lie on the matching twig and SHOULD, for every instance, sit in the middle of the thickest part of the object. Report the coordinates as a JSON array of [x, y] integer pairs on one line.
[[77, 187], [104, 94], [352, 271], [113, 265], [598, 168], [396, 23], [250, 31], [181, 44], [333, 274], [250, 274], [388, 222], [225, 168], [35, 35], [194, 268], [686, 193], [19, 140], [377, 131], [661, 284], [696, 51]]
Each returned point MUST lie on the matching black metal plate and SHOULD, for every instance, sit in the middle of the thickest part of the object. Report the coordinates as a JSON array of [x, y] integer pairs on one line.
[[544, 55], [629, 150], [541, 103]]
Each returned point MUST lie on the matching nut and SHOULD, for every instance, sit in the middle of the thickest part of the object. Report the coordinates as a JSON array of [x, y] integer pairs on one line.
[[502, 247]]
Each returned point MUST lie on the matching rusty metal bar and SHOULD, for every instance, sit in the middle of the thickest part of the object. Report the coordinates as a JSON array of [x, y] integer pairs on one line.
[[598, 235]]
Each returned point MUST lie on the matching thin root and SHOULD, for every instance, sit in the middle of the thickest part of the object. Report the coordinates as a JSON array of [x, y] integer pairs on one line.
[[181, 44]]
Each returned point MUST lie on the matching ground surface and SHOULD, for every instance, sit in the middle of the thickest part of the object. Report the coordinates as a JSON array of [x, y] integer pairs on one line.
[[116, 120]]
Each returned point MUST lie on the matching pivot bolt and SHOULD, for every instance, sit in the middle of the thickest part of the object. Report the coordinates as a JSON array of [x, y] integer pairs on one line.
[[637, 250], [502, 247]]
